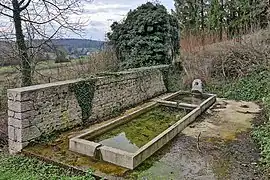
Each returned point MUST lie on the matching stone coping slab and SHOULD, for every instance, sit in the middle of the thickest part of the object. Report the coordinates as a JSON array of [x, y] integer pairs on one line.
[[132, 160]]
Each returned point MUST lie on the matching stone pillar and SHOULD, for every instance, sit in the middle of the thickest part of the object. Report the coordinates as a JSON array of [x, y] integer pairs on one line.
[[20, 111]]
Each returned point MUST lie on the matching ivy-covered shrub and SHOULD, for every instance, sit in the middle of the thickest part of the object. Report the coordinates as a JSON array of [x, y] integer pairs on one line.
[[148, 36]]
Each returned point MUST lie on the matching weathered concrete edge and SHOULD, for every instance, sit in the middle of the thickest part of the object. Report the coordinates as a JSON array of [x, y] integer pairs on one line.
[[177, 105], [159, 141], [83, 146], [123, 119], [59, 83], [79, 145], [116, 156], [166, 136], [209, 102], [44, 86], [122, 158]]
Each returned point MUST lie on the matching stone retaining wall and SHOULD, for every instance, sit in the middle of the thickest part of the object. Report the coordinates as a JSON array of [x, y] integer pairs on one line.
[[40, 110]]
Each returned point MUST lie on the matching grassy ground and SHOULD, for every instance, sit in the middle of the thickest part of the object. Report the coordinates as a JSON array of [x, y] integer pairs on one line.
[[45, 65], [22, 168]]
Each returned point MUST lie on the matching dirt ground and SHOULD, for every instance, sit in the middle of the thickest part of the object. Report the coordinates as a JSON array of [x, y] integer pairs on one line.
[[217, 146]]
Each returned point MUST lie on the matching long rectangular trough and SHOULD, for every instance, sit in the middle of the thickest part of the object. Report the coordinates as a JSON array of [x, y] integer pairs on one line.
[[131, 160]]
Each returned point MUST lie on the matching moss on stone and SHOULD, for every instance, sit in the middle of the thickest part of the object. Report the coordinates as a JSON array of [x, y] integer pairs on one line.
[[172, 78], [58, 150], [65, 118]]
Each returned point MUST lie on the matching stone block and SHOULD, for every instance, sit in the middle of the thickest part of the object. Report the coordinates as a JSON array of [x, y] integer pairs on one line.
[[18, 106], [14, 106], [16, 147], [11, 113], [18, 134], [30, 133], [83, 146], [11, 133], [24, 115], [28, 95], [18, 123], [13, 95], [15, 133]]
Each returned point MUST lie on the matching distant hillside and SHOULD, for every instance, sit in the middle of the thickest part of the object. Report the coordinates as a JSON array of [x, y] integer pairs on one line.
[[71, 44], [73, 48], [76, 47], [79, 43]]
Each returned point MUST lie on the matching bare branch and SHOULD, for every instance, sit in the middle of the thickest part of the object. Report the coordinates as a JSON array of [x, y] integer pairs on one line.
[[25, 6], [40, 23], [5, 14], [5, 6], [35, 24], [21, 2]]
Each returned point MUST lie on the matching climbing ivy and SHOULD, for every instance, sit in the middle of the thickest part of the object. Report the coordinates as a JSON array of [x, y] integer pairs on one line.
[[172, 77], [148, 36], [84, 92]]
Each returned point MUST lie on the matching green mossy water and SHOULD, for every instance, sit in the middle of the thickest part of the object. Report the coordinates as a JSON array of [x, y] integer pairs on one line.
[[142, 129]]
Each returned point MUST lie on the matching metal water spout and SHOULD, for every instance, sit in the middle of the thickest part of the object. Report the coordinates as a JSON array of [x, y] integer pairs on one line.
[[197, 86]]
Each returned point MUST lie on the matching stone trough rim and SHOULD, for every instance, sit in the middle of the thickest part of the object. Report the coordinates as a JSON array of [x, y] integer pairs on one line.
[[191, 116]]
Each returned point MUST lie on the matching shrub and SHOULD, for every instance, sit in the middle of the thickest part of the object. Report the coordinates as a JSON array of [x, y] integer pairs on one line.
[[229, 60], [148, 36], [254, 87]]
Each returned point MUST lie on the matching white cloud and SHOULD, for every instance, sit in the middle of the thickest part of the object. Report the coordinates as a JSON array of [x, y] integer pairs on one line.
[[100, 14]]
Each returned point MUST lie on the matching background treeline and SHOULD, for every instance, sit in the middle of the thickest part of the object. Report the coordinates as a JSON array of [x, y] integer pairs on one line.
[[55, 49], [221, 19]]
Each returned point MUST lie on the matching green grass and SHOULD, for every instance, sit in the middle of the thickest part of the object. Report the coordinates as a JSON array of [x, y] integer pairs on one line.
[[23, 168], [261, 134], [45, 65], [254, 87]]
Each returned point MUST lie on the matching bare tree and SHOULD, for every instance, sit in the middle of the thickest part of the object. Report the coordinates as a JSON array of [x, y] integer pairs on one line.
[[42, 20]]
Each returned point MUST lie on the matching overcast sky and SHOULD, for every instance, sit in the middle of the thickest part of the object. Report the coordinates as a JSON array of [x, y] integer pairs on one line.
[[101, 13]]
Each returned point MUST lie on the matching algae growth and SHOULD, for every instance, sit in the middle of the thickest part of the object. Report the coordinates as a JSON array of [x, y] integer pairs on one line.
[[142, 129], [58, 150]]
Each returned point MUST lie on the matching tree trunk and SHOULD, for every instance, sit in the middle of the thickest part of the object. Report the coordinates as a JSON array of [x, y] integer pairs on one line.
[[202, 21], [23, 54], [221, 21]]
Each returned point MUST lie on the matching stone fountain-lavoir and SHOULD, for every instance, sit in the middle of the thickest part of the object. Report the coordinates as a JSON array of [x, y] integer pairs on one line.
[[87, 144]]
